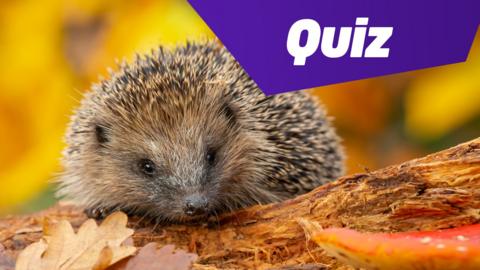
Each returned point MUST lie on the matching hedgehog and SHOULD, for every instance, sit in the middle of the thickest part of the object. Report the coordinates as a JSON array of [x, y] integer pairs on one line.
[[184, 134]]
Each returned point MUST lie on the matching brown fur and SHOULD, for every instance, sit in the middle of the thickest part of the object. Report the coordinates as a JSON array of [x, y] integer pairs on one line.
[[172, 107]]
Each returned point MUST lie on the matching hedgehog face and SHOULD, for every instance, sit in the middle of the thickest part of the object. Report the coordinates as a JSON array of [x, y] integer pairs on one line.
[[177, 164]]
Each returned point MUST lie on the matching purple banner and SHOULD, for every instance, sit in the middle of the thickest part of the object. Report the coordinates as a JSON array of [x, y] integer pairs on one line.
[[292, 45]]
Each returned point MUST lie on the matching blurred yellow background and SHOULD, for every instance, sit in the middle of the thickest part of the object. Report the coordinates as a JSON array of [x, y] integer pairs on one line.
[[51, 51]]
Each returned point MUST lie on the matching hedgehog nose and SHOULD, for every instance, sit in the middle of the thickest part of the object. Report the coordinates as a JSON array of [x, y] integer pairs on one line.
[[195, 205]]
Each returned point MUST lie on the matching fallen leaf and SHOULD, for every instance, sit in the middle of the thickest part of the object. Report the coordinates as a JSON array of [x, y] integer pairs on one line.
[[166, 258], [457, 248], [30, 257], [92, 247]]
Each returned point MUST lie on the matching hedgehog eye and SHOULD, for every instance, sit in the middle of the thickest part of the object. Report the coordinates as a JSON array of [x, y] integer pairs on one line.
[[147, 167], [101, 134], [211, 155]]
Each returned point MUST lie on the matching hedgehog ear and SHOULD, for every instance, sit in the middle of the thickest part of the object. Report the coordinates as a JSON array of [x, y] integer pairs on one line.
[[101, 134], [229, 113]]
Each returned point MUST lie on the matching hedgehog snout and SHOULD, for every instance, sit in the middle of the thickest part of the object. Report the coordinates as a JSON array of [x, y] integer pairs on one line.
[[195, 204]]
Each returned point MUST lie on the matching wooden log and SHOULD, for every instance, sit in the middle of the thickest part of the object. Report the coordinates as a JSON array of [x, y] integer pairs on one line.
[[438, 191]]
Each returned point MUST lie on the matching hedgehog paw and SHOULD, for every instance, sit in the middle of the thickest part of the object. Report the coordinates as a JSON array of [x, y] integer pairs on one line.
[[97, 212]]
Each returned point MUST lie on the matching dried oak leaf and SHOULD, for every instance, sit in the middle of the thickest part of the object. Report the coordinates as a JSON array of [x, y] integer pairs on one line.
[[92, 247], [166, 258]]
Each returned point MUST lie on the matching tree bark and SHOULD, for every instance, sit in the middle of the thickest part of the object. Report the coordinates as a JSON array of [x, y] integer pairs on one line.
[[438, 191]]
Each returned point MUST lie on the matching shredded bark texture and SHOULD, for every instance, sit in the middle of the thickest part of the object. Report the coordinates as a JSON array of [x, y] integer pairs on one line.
[[438, 191]]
